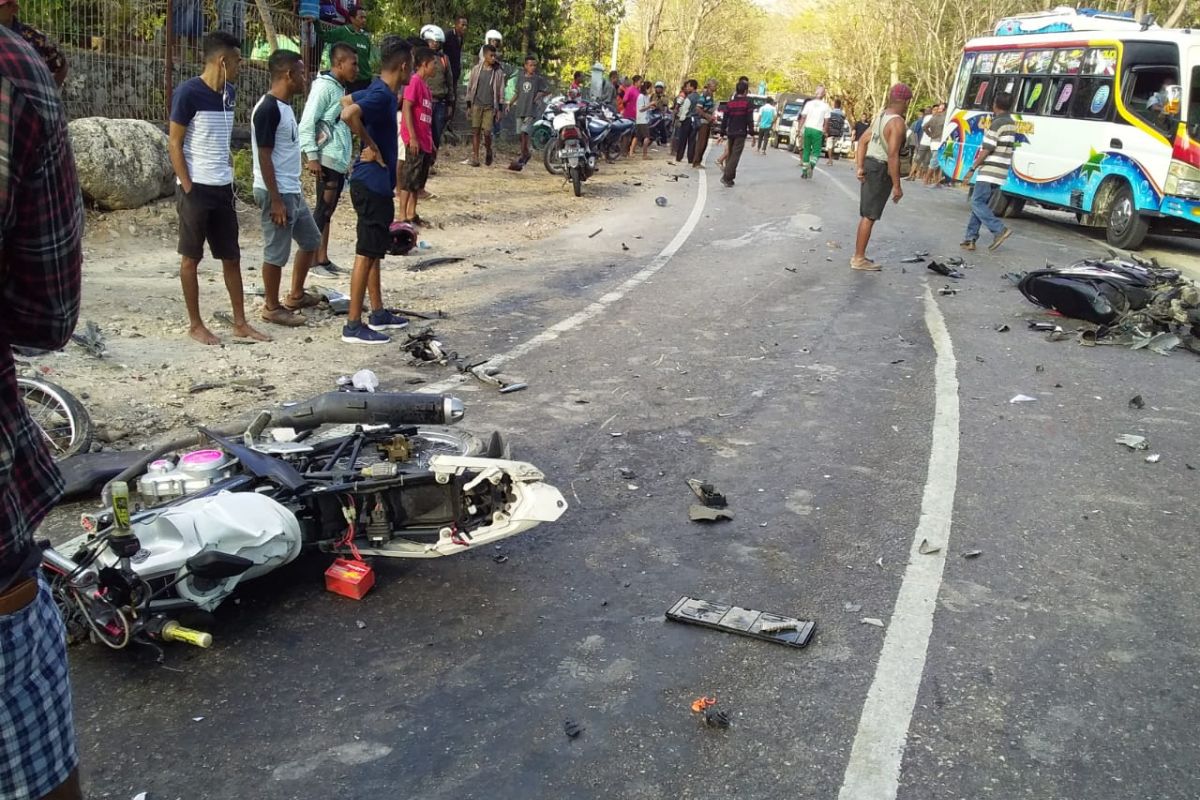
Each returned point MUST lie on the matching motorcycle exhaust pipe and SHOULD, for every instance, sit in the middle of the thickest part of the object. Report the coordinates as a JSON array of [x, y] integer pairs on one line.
[[365, 408]]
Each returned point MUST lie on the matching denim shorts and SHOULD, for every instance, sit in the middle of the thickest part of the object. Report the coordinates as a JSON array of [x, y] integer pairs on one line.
[[37, 748], [277, 240]]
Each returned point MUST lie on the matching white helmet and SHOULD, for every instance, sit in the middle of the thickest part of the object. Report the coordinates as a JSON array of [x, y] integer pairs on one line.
[[492, 34], [433, 32]]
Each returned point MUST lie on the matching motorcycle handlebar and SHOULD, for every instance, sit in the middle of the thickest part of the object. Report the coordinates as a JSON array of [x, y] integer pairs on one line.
[[174, 632]]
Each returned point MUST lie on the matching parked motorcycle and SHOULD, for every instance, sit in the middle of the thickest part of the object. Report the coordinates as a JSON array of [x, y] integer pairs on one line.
[[345, 473], [660, 125], [568, 151]]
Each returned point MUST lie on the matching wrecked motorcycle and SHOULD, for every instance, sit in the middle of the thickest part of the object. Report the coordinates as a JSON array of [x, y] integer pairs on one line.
[[345, 473]]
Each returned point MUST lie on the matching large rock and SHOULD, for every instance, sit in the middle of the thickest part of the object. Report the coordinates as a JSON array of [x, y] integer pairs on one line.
[[122, 163]]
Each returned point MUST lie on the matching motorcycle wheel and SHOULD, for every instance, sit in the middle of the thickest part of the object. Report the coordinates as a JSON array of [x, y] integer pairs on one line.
[[576, 180], [550, 157], [614, 151], [64, 423]]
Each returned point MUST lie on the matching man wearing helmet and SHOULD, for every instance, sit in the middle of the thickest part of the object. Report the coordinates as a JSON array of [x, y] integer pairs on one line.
[[493, 38], [440, 83]]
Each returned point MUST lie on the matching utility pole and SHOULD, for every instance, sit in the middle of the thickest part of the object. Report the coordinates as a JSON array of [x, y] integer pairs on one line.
[[612, 62]]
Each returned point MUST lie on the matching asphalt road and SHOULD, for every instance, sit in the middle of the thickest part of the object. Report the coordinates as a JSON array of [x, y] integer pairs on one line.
[[1059, 662]]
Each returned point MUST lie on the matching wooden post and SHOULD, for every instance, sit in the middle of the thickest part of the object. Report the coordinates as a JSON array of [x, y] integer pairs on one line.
[[169, 59]]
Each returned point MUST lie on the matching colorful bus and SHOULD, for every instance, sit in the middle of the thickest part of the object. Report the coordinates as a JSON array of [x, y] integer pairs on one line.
[[1108, 111]]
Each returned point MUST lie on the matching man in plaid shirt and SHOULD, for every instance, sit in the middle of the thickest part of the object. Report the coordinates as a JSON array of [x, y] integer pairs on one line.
[[41, 226]]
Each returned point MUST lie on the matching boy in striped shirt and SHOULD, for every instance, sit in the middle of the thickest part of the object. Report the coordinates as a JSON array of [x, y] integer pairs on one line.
[[992, 163]]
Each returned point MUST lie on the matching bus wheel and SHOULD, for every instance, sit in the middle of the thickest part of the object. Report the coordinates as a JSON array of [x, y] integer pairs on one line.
[[1016, 205], [1125, 227]]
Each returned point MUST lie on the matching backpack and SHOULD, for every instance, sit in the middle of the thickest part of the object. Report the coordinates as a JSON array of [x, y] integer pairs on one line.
[[836, 125]]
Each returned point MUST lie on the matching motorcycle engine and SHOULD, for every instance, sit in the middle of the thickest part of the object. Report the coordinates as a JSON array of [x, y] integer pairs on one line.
[[197, 470]]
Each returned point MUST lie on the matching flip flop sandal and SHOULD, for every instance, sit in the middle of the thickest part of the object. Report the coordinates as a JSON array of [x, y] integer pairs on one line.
[[281, 316]]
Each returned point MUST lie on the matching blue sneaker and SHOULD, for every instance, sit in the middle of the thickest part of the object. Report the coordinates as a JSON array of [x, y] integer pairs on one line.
[[357, 333], [385, 320]]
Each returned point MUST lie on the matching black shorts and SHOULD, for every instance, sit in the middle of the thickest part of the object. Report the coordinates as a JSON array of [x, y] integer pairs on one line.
[[331, 181], [375, 213], [416, 170], [207, 213], [876, 189]]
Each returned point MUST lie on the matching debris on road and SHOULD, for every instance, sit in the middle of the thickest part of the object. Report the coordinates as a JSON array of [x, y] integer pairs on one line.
[[946, 290], [853, 608], [595, 233], [942, 269], [358, 623], [436, 314], [500, 558], [572, 729], [700, 704], [436, 261], [362, 381], [1035, 325], [876, 621], [913, 259], [926, 549], [1153, 458], [716, 718], [1137, 402], [1023, 398], [742, 621], [707, 493], [1002, 328], [1133, 441], [699, 513], [972, 554]]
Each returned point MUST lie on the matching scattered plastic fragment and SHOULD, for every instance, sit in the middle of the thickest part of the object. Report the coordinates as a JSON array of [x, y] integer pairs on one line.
[[358, 623], [878, 623], [661, 201], [912, 260], [572, 729], [716, 718], [1153, 458], [1133, 441], [699, 513], [365, 380], [946, 290], [707, 493], [741, 621], [702, 703], [1023, 398], [926, 549], [595, 233], [973, 554], [853, 608], [1137, 402], [942, 269], [1037, 325], [1002, 328]]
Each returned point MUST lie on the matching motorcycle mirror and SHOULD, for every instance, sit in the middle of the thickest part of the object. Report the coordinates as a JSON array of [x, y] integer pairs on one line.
[[216, 566]]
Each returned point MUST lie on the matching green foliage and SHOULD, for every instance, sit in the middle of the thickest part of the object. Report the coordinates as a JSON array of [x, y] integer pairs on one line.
[[243, 174]]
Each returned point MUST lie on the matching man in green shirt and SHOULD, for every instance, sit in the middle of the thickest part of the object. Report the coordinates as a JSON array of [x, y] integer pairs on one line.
[[354, 34]]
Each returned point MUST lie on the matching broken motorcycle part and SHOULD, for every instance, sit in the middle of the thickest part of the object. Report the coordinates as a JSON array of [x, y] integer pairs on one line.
[[1133, 441], [708, 495], [942, 269], [572, 729], [699, 513], [741, 621]]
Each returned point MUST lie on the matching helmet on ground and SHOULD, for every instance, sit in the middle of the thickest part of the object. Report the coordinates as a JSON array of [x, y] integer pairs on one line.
[[433, 32], [403, 238], [493, 34]]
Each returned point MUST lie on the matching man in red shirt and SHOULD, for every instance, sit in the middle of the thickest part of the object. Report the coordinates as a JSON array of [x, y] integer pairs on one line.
[[416, 133]]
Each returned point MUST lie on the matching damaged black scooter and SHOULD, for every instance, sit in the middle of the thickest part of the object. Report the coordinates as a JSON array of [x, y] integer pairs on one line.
[[344, 473]]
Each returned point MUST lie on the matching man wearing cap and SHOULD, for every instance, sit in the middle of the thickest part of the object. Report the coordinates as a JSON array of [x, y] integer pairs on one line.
[[55, 61], [878, 161]]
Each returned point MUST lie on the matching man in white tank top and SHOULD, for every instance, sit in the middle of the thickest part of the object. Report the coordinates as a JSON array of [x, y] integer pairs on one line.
[[878, 161]]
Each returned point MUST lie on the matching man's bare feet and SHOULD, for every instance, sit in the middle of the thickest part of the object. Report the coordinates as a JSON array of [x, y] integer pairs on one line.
[[203, 335], [245, 331]]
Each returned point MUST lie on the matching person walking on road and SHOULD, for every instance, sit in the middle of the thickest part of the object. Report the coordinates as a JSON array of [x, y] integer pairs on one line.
[[992, 164], [371, 115], [812, 125], [920, 145], [275, 145], [683, 117], [703, 112], [766, 120], [878, 165], [532, 88], [325, 143], [735, 126], [41, 249], [485, 103], [200, 131], [835, 126]]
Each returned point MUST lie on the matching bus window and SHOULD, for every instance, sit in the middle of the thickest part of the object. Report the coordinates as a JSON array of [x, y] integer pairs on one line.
[[1144, 96], [1067, 62], [1193, 105], [1093, 99], [1100, 61], [1009, 62], [1032, 92], [1058, 98], [984, 63], [979, 95], [1037, 62], [964, 77]]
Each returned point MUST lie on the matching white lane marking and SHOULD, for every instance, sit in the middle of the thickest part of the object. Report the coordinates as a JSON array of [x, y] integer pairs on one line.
[[833, 180], [596, 308], [873, 772]]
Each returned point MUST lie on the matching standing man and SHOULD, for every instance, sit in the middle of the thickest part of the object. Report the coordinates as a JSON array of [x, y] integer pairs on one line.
[[56, 62], [40, 257], [608, 91], [861, 127], [416, 133], [485, 102], [916, 137], [703, 110], [275, 142], [531, 89], [835, 126], [354, 33], [201, 127], [454, 46], [992, 163], [766, 119], [371, 115], [440, 83], [683, 127], [879, 170], [629, 106], [735, 125], [812, 126], [933, 129], [325, 143]]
